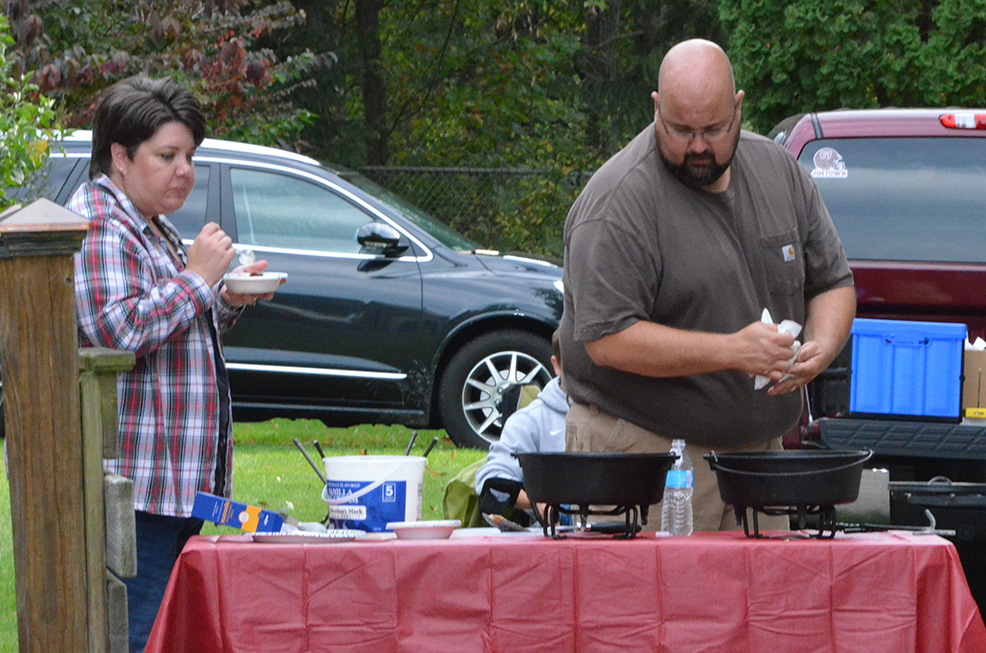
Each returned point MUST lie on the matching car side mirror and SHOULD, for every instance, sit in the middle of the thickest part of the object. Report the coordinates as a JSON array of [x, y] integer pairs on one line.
[[380, 237]]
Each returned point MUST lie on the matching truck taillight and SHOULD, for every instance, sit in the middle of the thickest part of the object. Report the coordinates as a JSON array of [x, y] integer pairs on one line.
[[963, 120]]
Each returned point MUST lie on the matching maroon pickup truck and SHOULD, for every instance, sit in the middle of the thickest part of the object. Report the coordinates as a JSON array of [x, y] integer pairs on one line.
[[907, 192]]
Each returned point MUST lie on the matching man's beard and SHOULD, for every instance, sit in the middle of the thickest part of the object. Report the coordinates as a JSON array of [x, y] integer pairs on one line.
[[705, 175]]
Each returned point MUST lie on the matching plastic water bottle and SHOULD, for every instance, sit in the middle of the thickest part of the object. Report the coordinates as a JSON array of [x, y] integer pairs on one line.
[[676, 507]]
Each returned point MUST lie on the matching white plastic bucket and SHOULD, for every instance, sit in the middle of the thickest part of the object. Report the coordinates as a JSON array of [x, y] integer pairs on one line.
[[366, 492]]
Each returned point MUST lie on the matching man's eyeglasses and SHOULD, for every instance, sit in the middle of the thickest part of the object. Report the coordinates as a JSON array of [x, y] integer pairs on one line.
[[709, 135]]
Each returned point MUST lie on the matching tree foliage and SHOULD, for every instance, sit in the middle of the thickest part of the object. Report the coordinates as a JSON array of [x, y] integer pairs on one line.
[[809, 55], [74, 49], [515, 84], [468, 82], [27, 122], [554, 86], [953, 61]]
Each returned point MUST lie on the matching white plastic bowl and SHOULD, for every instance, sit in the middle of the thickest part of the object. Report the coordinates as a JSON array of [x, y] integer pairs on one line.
[[423, 530], [245, 283]]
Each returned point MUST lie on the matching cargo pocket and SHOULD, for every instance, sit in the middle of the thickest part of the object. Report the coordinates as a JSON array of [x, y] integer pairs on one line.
[[784, 263]]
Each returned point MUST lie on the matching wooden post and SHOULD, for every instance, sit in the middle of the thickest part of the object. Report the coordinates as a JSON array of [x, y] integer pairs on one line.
[[56, 598]]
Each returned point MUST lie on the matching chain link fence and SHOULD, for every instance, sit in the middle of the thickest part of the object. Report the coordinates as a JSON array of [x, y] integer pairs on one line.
[[499, 208]]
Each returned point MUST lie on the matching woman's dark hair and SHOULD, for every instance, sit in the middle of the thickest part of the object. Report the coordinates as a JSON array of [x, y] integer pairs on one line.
[[132, 110]]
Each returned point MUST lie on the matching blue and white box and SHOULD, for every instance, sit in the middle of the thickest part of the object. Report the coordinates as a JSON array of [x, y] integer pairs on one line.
[[225, 512]]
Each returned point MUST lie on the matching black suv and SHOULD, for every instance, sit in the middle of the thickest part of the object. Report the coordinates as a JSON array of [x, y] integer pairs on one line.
[[387, 315]]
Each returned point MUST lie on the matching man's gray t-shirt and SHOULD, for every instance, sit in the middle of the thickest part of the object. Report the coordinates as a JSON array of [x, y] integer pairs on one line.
[[642, 246]]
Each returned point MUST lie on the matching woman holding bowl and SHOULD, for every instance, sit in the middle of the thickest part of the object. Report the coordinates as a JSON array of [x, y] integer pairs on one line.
[[139, 290]]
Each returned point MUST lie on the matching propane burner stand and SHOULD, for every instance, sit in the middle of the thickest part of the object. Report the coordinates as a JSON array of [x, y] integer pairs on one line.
[[580, 517], [826, 518]]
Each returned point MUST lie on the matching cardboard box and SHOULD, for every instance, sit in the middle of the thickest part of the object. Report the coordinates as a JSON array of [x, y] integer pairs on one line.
[[224, 512], [974, 383]]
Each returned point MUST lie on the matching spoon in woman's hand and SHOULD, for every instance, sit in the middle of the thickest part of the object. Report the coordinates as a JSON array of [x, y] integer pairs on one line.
[[247, 257]]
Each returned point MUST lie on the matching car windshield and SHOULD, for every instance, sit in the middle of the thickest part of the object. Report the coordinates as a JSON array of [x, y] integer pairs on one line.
[[422, 220]]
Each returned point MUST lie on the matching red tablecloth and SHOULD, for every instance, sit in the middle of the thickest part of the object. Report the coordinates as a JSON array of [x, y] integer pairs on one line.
[[890, 592]]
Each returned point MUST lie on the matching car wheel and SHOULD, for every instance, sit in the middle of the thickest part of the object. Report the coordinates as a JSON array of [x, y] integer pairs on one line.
[[472, 386]]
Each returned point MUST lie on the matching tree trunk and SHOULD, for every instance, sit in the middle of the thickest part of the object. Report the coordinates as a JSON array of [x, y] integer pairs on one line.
[[374, 87], [601, 68]]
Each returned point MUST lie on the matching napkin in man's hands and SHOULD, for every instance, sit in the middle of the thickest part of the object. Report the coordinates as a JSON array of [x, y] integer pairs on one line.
[[789, 327]]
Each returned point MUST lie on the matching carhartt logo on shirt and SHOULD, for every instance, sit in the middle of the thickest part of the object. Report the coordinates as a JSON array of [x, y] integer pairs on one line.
[[788, 251]]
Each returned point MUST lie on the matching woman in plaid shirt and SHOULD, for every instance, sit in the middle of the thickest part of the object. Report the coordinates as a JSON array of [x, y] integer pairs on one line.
[[137, 289]]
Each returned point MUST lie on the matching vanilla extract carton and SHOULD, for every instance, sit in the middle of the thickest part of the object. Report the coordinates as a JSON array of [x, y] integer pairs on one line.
[[226, 512]]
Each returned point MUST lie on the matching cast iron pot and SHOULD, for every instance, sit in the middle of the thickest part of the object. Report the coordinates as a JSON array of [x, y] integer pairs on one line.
[[582, 479], [788, 478]]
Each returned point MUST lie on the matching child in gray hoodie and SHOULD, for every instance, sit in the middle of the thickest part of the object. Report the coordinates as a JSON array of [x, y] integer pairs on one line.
[[538, 427]]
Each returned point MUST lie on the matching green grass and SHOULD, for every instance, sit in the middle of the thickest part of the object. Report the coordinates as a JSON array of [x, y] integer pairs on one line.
[[8, 604], [268, 470]]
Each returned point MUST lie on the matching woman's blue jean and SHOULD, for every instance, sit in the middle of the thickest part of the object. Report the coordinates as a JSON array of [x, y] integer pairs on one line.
[[159, 541]]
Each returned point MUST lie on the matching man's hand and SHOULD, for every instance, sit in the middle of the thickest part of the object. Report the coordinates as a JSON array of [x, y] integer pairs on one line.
[[811, 361], [829, 320], [762, 349]]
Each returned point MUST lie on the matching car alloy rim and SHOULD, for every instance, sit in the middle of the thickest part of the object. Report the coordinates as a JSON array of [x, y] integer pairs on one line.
[[482, 394]]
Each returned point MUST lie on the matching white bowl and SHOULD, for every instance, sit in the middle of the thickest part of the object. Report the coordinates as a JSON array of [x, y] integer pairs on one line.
[[423, 530], [246, 283]]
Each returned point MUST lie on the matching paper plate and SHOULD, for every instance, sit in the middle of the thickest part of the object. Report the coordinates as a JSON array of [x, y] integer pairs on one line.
[[424, 530], [246, 283], [330, 536]]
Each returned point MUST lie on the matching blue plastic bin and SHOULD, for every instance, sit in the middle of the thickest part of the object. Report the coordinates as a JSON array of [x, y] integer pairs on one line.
[[906, 369]]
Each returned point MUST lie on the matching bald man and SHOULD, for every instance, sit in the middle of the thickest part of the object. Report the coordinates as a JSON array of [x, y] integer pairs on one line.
[[672, 251]]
